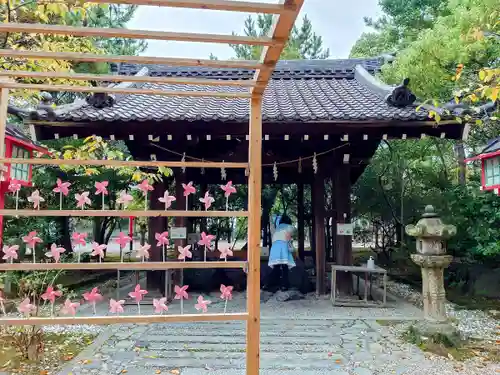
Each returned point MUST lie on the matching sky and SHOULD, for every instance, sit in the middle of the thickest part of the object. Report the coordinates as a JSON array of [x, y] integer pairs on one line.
[[339, 22]]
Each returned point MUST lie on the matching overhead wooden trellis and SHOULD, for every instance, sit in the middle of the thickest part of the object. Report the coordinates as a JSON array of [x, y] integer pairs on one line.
[[285, 12]]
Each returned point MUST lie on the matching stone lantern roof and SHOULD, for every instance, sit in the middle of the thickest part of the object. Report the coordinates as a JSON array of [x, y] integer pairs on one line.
[[431, 226]]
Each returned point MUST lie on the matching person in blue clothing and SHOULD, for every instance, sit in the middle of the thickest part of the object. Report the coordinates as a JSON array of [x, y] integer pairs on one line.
[[281, 254]]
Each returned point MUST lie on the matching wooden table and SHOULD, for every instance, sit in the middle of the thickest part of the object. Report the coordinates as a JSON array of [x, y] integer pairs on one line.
[[358, 269]]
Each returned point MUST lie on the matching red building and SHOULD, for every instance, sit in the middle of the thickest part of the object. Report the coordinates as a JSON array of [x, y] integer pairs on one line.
[[17, 145], [490, 166]]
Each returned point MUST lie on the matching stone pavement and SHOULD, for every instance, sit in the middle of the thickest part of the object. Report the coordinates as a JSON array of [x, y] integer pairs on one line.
[[306, 337]]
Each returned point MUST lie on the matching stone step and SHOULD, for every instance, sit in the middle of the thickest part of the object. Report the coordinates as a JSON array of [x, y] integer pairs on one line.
[[303, 332], [217, 339], [269, 355], [241, 347]]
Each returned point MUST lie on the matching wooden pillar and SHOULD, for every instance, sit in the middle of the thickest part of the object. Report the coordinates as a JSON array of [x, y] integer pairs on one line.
[[156, 279], [343, 248], [254, 221], [319, 233], [300, 219], [4, 102]]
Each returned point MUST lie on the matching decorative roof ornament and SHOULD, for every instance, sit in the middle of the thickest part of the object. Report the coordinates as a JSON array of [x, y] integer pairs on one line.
[[401, 95], [315, 164], [223, 174], [100, 100], [275, 171]]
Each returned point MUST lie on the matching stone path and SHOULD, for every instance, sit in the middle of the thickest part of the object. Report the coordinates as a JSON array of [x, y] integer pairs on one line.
[[302, 337]]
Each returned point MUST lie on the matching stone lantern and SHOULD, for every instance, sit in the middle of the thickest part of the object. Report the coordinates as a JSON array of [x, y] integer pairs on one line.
[[431, 235]]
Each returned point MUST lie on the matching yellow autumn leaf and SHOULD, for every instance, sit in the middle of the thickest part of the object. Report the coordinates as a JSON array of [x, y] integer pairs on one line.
[[136, 177], [482, 74]]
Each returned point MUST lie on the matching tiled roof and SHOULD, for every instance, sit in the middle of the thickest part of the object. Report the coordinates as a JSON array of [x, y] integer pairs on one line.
[[301, 90]]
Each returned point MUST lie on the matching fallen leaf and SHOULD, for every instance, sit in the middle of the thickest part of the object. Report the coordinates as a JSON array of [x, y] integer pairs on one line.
[[175, 371], [338, 361], [157, 372], [44, 372], [86, 361], [124, 371]]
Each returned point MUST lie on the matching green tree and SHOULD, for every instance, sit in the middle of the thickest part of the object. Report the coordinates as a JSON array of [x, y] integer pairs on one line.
[[303, 43]]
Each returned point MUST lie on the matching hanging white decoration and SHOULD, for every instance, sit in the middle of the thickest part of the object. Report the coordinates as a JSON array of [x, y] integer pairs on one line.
[[300, 165], [183, 160], [315, 164], [275, 171], [247, 171], [223, 174], [202, 168]]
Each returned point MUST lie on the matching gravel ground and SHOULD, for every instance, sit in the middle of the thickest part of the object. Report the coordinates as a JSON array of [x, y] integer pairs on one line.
[[474, 324]]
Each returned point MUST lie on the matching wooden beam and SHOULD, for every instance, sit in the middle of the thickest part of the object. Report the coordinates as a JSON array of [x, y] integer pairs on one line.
[[319, 233], [254, 232], [270, 55], [126, 163], [34, 28], [123, 78], [124, 90], [126, 319], [90, 57], [122, 213], [222, 5], [128, 266]]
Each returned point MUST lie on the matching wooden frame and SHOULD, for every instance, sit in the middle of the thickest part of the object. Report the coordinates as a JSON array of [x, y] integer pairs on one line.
[[286, 12]]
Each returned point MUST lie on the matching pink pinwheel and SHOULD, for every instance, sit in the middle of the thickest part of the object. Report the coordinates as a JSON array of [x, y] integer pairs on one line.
[[167, 199], [116, 307], [184, 252], [93, 297], [101, 189], [226, 294], [144, 186], [188, 190], [79, 239], [51, 295], [26, 308], [35, 198], [202, 304], [10, 252], [82, 199], [124, 198], [69, 307], [138, 294], [206, 240], [62, 187], [225, 252], [55, 252], [122, 241], [228, 190], [143, 251], [207, 200], [162, 239], [14, 186], [159, 305], [31, 240], [98, 250], [182, 294]]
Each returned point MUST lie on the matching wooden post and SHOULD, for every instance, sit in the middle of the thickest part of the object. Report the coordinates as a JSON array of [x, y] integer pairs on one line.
[[319, 233], [4, 102], [254, 221], [156, 279], [343, 248], [300, 219]]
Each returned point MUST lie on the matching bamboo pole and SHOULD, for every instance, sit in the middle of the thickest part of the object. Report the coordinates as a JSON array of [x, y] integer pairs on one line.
[[124, 90], [91, 57], [254, 221], [124, 78], [125, 319], [221, 5], [126, 163], [35, 28], [121, 213], [128, 266]]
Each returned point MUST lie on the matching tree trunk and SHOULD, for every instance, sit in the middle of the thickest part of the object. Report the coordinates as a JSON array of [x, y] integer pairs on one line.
[[66, 236], [460, 155]]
